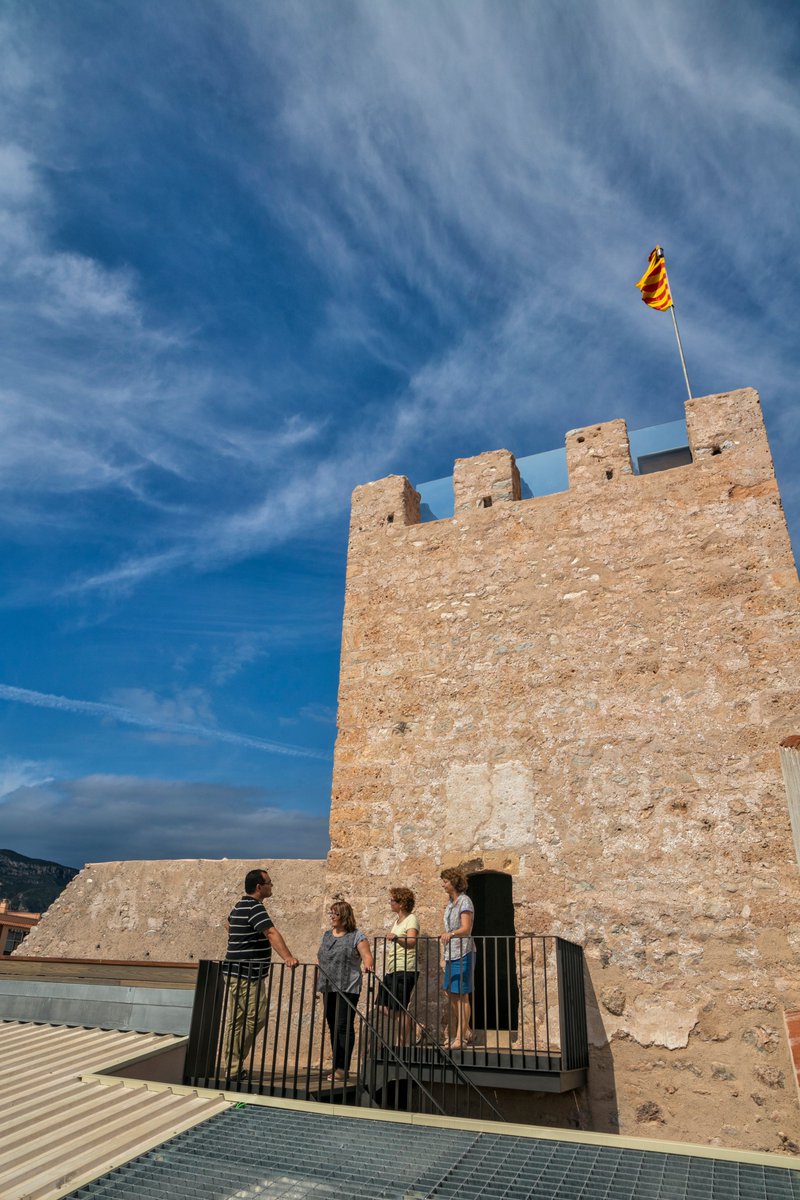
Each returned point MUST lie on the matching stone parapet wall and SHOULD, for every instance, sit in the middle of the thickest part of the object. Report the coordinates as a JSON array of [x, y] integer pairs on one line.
[[174, 911], [588, 690]]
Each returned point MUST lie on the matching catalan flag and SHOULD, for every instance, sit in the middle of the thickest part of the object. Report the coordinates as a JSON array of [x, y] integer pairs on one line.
[[654, 284]]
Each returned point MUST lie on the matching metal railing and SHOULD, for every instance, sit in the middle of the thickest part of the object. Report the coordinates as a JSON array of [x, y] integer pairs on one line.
[[291, 1052], [527, 1004], [526, 1013], [572, 1006]]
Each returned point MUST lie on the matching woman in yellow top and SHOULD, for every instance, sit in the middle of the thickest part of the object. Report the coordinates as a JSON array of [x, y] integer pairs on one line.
[[400, 979]]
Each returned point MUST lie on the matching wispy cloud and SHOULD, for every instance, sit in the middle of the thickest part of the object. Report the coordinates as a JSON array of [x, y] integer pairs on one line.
[[158, 720], [189, 706], [17, 773], [323, 714], [353, 240], [468, 193], [246, 649]]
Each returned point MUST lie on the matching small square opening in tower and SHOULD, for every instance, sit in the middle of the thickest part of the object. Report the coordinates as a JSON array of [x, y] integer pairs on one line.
[[664, 460], [486, 502]]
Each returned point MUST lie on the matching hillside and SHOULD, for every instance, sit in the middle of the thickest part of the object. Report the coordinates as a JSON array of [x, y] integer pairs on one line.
[[31, 884]]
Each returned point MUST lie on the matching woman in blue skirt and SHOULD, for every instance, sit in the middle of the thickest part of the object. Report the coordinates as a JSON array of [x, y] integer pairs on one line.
[[459, 956]]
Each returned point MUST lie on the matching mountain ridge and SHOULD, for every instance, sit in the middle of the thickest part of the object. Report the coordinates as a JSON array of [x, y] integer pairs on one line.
[[31, 884]]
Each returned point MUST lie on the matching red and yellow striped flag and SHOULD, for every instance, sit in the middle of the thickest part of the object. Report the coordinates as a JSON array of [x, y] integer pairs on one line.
[[654, 284]]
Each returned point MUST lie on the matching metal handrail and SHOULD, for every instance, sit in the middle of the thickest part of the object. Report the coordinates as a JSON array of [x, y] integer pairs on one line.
[[289, 1059], [527, 1005], [425, 1050], [528, 1011]]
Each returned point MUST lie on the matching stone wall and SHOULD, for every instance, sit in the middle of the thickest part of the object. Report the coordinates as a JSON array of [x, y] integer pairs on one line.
[[174, 911], [587, 691]]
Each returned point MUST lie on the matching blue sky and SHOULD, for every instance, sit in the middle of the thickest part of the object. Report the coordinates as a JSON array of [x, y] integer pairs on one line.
[[255, 253]]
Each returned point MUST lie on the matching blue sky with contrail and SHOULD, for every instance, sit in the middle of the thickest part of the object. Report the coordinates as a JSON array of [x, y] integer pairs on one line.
[[163, 724], [255, 254]]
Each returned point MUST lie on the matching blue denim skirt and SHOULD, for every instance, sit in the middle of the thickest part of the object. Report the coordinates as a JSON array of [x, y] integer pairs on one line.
[[458, 975]]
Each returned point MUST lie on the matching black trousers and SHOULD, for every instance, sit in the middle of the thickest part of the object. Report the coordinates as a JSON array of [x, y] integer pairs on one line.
[[340, 1015]]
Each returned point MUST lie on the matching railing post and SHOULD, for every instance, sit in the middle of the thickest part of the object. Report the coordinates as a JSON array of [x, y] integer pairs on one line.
[[571, 1006], [205, 1031]]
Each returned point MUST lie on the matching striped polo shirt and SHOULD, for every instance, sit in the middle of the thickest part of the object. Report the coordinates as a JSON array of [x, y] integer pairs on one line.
[[247, 944]]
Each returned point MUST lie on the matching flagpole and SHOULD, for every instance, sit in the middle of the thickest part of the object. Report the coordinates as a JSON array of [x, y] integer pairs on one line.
[[680, 350], [654, 286]]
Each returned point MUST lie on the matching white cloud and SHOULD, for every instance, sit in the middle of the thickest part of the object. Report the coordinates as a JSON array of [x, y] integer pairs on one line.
[[107, 817], [323, 714], [17, 179], [16, 773], [480, 189], [68, 286], [187, 706], [247, 648], [74, 286]]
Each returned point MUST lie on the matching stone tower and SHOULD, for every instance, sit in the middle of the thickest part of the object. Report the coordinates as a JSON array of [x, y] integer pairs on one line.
[[587, 691]]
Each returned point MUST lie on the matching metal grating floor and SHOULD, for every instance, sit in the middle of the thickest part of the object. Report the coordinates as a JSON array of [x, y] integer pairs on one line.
[[252, 1153]]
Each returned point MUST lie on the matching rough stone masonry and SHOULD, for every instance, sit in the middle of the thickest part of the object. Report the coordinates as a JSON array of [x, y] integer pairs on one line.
[[587, 691]]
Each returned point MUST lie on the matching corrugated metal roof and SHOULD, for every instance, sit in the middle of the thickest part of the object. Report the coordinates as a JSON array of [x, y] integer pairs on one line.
[[57, 1132]]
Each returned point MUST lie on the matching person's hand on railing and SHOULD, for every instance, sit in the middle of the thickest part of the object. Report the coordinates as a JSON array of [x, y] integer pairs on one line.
[[365, 954], [279, 945]]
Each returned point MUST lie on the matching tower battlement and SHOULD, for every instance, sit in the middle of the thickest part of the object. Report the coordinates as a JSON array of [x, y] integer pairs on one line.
[[727, 428]]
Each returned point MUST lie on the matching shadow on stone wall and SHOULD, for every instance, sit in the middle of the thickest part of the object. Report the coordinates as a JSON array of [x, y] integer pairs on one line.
[[592, 1108], [600, 1096]]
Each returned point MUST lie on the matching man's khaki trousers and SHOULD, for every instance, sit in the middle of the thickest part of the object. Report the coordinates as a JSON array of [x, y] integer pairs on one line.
[[247, 1016]]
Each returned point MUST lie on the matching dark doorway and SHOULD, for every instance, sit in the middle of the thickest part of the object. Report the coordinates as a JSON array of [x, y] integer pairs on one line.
[[496, 995]]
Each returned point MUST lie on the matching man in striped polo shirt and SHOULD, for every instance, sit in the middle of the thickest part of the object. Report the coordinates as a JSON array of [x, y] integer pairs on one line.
[[251, 938]]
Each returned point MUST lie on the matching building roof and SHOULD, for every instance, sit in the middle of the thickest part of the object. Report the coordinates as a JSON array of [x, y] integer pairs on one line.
[[57, 1132], [251, 1152], [18, 920], [66, 1135]]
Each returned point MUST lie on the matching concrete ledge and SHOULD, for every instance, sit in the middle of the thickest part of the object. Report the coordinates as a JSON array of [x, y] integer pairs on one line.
[[145, 1009]]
